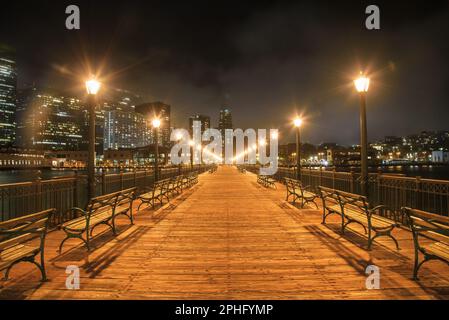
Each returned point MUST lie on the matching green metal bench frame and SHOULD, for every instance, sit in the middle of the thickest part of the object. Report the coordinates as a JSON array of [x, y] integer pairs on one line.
[[305, 195], [102, 205], [353, 204], [15, 236], [152, 194], [433, 227], [266, 181]]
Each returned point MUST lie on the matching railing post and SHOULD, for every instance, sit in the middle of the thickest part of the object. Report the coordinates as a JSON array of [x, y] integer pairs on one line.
[[121, 179], [75, 190], [352, 180], [103, 182], [320, 181], [135, 177], [39, 194], [418, 191], [378, 187], [333, 178]]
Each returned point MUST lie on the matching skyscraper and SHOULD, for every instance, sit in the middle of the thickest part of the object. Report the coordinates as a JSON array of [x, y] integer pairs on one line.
[[125, 129], [8, 87], [225, 120], [161, 111], [50, 120], [205, 122]]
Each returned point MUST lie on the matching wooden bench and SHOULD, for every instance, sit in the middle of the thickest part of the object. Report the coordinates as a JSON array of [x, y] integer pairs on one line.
[[213, 169], [15, 244], [157, 192], [266, 181], [100, 210], [298, 191], [191, 179], [434, 228], [331, 204], [166, 188], [241, 169], [355, 208], [175, 185]]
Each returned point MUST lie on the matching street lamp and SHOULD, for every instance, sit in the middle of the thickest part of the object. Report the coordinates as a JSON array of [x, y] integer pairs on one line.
[[362, 85], [191, 144], [298, 123], [178, 138], [156, 124], [92, 87]]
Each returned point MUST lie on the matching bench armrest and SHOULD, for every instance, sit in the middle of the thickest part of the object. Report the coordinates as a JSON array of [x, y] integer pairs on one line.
[[78, 210], [146, 189], [310, 189], [382, 207]]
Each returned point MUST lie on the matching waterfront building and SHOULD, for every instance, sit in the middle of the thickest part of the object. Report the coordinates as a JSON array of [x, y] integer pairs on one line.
[[440, 156], [8, 91], [23, 159]]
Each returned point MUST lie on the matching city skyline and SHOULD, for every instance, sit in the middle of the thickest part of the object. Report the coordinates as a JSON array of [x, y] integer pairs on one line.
[[184, 65]]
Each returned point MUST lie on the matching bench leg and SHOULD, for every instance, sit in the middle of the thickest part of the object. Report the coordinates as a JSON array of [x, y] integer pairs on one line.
[[41, 267], [418, 266], [112, 226], [370, 242], [6, 277], [324, 215], [141, 203], [114, 230], [87, 241], [70, 236], [385, 233], [312, 201], [31, 260], [395, 241], [131, 216]]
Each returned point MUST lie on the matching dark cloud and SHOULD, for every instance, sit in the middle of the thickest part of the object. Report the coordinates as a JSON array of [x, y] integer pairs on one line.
[[266, 60]]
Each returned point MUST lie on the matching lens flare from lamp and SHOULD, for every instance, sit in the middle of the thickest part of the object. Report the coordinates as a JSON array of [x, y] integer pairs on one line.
[[297, 122], [93, 86], [361, 84], [156, 123]]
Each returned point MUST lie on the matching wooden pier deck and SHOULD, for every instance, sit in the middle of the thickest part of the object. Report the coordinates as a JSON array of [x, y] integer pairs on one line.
[[229, 238]]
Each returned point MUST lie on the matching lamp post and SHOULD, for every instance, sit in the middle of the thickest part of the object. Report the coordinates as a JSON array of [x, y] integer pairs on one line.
[[178, 138], [156, 124], [191, 144], [361, 85], [92, 87], [298, 122]]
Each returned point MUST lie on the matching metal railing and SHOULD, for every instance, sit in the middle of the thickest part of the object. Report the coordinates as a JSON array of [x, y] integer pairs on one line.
[[18, 199], [394, 191]]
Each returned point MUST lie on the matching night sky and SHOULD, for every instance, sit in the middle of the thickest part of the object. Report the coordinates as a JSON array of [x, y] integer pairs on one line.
[[267, 61]]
